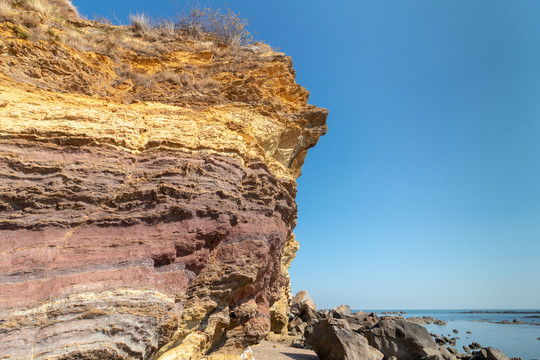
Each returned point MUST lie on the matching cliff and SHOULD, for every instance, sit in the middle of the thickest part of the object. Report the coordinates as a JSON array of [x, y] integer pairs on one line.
[[147, 189]]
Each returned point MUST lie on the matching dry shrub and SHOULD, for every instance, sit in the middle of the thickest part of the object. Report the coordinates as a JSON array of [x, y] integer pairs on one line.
[[31, 19], [39, 33], [166, 28], [219, 51], [187, 79], [5, 7], [227, 27], [125, 73], [202, 46], [206, 84], [43, 7], [141, 23], [65, 8], [167, 76], [76, 40]]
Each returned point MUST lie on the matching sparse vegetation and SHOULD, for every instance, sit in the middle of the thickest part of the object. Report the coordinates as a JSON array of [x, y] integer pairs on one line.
[[43, 7], [5, 7], [201, 23], [23, 34], [141, 54], [227, 27], [206, 84], [141, 23]]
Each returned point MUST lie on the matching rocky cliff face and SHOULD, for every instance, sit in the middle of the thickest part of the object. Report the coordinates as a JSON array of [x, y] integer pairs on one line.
[[147, 191]]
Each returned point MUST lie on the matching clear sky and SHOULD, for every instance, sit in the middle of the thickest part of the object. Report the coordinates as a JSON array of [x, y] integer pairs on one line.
[[425, 193]]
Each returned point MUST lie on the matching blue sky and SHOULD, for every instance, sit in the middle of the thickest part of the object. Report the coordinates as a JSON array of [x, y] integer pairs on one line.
[[425, 193]]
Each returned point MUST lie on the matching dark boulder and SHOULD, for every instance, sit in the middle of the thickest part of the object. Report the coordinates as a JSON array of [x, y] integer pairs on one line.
[[297, 326], [333, 339], [309, 315], [340, 311], [301, 300], [404, 340], [360, 321], [489, 353]]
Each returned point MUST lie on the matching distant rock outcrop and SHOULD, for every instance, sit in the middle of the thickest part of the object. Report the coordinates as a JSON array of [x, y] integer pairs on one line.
[[424, 320]]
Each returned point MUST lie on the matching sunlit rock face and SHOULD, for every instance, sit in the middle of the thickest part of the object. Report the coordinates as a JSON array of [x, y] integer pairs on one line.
[[145, 220]]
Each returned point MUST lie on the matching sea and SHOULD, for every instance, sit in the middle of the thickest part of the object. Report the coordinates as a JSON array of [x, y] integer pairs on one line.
[[515, 340]]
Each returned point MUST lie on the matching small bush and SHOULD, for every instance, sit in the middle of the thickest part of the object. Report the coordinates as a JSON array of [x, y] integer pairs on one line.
[[219, 51], [141, 23], [187, 79], [166, 28], [167, 76], [5, 7], [223, 27], [43, 7], [206, 84]]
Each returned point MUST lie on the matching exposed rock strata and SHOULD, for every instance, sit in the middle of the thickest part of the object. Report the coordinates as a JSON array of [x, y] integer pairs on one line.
[[140, 222]]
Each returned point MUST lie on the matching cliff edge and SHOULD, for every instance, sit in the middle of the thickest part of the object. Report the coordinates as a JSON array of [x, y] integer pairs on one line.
[[147, 189]]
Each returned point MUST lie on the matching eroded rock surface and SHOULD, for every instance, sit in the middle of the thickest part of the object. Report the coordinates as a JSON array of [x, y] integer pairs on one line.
[[145, 221], [404, 340], [333, 339]]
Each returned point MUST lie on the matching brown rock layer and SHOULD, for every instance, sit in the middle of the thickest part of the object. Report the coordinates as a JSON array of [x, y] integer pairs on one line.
[[140, 222]]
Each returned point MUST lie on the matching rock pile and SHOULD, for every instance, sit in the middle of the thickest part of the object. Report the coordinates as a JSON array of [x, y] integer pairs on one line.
[[340, 334]]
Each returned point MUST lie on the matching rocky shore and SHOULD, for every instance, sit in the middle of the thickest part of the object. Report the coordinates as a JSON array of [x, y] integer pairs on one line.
[[425, 320], [508, 322], [340, 334]]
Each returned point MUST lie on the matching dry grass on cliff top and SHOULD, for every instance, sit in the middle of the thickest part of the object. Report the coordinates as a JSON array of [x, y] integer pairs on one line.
[[141, 63], [58, 20]]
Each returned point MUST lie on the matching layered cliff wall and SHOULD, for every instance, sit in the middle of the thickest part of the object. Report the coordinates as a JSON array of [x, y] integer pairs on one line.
[[147, 191]]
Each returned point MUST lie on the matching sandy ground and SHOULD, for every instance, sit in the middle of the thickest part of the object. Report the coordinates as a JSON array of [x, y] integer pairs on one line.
[[267, 350]]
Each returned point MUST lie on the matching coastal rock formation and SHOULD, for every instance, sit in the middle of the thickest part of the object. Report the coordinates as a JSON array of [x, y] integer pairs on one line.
[[404, 340], [147, 195], [339, 334], [424, 320], [333, 339], [489, 353]]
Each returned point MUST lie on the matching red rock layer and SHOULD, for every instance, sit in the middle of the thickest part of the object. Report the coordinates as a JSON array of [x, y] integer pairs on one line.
[[90, 220], [143, 216]]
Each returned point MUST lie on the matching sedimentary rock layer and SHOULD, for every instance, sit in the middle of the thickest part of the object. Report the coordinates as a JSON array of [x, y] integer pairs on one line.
[[146, 221]]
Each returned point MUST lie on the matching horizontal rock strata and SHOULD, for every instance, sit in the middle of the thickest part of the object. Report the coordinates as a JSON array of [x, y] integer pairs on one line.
[[145, 222]]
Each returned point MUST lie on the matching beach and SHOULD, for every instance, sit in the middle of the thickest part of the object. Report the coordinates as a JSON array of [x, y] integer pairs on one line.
[[269, 350]]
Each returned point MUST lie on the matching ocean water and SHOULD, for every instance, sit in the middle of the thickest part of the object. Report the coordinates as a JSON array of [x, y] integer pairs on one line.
[[515, 340]]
